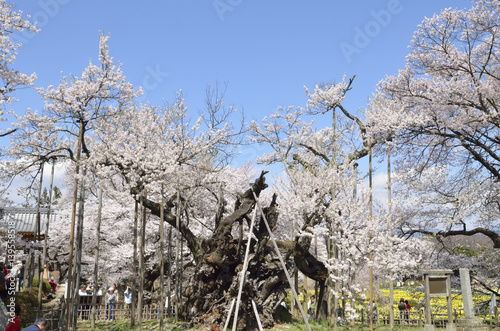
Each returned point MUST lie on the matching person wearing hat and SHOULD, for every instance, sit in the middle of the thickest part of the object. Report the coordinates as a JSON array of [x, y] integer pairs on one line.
[[13, 274]]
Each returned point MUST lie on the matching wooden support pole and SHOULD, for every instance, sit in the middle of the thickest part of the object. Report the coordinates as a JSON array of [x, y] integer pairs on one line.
[[389, 205], [162, 261], [45, 241], [79, 248], [244, 270], [177, 257], [369, 244], [254, 306], [96, 256], [283, 265], [72, 231], [134, 267], [37, 239], [141, 258], [229, 314]]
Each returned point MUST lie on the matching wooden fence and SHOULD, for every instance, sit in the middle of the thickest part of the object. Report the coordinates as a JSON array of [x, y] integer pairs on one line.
[[121, 312], [151, 312], [417, 318]]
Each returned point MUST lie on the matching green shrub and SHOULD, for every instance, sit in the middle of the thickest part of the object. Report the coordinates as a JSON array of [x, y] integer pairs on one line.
[[28, 303], [46, 285]]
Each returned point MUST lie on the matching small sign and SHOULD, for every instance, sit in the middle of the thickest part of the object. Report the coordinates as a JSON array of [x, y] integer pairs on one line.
[[437, 285]]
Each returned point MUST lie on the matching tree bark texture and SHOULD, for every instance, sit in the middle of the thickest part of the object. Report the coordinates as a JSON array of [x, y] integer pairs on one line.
[[218, 261]]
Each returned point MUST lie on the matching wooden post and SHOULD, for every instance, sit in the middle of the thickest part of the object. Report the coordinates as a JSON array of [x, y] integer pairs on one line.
[[370, 317], [134, 268], [243, 271], [72, 231], [79, 247], [96, 257], [169, 272], [295, 276], [283, 265], [389, 205], [333, 249], [141, 258], [162, 262], [178, 298], [45, 243], [37, 239]]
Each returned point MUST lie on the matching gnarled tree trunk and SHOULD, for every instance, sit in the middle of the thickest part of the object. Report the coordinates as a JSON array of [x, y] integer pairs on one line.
[[215, 281]]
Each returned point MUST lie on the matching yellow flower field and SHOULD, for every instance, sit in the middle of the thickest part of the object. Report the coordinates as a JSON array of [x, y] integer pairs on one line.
[[416, 299]]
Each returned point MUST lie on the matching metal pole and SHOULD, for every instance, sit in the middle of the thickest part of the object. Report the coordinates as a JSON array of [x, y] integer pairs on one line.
[[229, 314], [271, 236], [244, 270], [257, 315]]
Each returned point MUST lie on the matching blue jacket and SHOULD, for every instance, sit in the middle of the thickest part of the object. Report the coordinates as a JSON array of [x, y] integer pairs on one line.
[[32, 327]]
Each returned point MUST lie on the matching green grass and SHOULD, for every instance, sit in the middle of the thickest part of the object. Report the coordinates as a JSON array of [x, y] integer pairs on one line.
[[323, 326], [122, 325]]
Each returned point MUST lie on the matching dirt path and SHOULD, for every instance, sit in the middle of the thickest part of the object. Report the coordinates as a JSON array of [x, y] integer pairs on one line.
[[61, 288]]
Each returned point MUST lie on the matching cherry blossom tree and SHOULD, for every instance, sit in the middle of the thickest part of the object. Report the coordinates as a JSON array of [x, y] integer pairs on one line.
[[441, 114], [322, 193], [51, 133], [11, 22]]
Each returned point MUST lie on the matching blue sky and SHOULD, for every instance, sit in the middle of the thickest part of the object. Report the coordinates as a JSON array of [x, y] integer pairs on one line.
[[265, 50]]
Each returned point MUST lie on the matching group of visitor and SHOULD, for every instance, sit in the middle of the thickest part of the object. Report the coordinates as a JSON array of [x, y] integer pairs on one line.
[[111, 298], [11, 279], [404, 310]]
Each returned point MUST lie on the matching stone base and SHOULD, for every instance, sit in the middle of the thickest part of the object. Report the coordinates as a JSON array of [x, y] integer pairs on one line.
[[429, 327], [451, 327], [465, 324]]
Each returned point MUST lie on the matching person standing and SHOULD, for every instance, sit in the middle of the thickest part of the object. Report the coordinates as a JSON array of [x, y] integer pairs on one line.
[[22, 265], [311, 306], [82, 299], [127, 298], [110, 300], [375, 313], [13, 275], [402, 310], [407, 311], [117, 293]]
